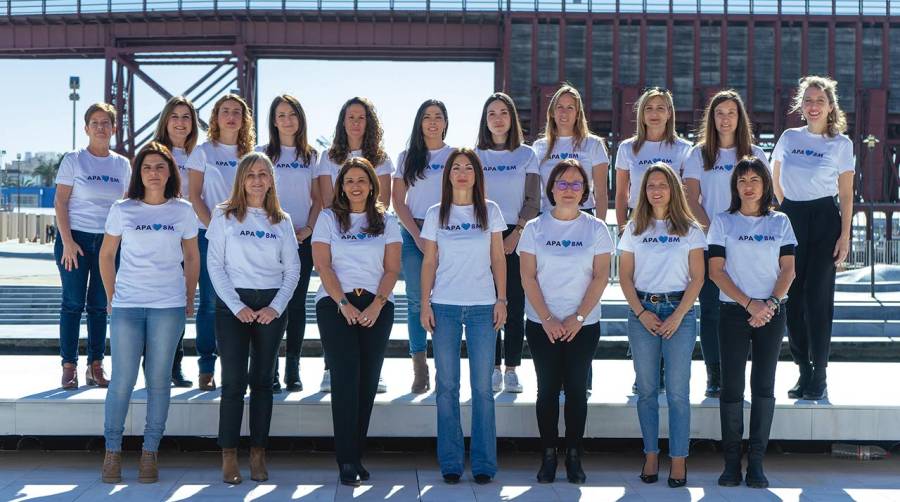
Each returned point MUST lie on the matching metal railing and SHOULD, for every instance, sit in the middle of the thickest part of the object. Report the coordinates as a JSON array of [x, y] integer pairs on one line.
[[788, 7]]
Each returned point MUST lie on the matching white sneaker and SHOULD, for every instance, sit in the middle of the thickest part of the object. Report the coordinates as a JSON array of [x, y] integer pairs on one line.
[[325, 386], [496, 380], [382, 387], [511, 382]]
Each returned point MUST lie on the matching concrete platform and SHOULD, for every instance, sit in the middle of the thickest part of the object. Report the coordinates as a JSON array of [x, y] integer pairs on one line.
[[864, 405]]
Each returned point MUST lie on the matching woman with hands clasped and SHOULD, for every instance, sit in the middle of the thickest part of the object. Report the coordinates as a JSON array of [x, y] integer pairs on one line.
[[661, 271], [751, 259], [464, 283], [564, 257], [254, 267]]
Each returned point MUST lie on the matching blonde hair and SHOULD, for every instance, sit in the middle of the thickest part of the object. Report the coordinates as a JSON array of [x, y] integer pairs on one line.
[[837, 121], [246, 134], [581, 129], [640, 135], [679, 217], [237, 205]]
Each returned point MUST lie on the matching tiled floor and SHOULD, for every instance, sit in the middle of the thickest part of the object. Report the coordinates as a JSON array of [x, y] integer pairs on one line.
[[400, 477]]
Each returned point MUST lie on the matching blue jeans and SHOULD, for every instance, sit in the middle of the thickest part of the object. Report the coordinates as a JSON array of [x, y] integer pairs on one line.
[[82, 287], [411, 258], [646, 350], [709, 319], [206, 313], [155, 334], [480, 341]]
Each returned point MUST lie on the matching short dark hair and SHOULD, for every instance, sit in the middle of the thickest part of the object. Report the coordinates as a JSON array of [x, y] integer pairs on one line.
[[106, 108], [558, 170], [136, 185], [757, 167]]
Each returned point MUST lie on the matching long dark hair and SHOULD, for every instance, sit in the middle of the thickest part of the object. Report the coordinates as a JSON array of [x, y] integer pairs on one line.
[[162, 127], [708, 136], [679, 217], [372, 144], [416, 151], [513, 137], [136, 188], [340, 205], [751, 164], [478, 193], [273, 149]]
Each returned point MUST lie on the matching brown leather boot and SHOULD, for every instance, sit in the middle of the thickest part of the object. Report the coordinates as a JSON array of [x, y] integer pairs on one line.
[[69, 376], [95, 375], [207, 382], [148, 470], [258, 470], [112, 467], [421, 381], [231, 473]]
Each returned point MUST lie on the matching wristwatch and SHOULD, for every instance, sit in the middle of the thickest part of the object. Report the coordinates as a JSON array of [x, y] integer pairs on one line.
[[579, 317], [503, 301], [343, 303], [519, 229]]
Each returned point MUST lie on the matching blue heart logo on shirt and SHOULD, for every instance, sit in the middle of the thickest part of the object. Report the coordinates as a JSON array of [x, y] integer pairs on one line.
[[295, 165], [466, 226], [501, 168], [360, 236], [728, 167], [566, 243], [156, 226], [564, 156], [758, 238], [232, 163], [104, 178], [663, 238], [808, 152], [260, 234]]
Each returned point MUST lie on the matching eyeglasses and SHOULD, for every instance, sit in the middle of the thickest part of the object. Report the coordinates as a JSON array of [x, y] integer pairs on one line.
[[654, 88], [575, 186]]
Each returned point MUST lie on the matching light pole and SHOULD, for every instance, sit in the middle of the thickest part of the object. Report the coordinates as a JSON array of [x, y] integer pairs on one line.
[[870, 142], [2, 175], [18, 182], [74, 85]]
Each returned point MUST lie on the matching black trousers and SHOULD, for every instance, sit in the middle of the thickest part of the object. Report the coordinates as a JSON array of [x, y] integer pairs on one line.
[[514, 329], [239, 344], [810, 305], [296, 310], [354, 355], [737, 339], [557, 364]]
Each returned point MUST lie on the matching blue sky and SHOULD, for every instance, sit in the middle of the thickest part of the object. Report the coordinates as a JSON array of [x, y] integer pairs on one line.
[[39, 113]]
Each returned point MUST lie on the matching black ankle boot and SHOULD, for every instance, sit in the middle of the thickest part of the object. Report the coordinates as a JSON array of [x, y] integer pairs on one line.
[[762, 410], [178, 379], [817, 389], [732, 417], [276, 385], [796, 392], [292, 374], [363, 473], [547, 473], [348, 475], [574, 472], [713, 378]]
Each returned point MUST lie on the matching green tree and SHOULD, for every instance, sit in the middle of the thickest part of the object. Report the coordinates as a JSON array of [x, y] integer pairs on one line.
[[47, 169]]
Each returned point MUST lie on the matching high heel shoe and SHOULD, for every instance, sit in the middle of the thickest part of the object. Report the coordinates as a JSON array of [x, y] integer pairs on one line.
[[650, 478], [574, 472], [348, 475], [677, 483], [547, 472]]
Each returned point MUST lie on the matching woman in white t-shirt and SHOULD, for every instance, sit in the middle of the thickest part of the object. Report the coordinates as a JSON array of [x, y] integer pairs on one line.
[[178, 130], [513, 181], [357, 253], [212, 168], [567, 135], [813, 167], [661, 271], [88, 182], [294, 160], [655, 140], [149, 296], [725, 137], [254, 267], [464, 283], [565, 257], [417, 187], [751, 258]]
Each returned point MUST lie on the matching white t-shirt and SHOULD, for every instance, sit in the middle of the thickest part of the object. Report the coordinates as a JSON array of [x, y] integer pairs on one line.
[[218, 163], [661, 259], [650, 153], [590, 152], [150, 273], [752, 249], [464, 255], [564, 251], [715, 184], [811, 163], [425, 193], [253, 254], [327, 167], [357, 258], [96, 183], [181, 157], [504, 178], [293, 183]]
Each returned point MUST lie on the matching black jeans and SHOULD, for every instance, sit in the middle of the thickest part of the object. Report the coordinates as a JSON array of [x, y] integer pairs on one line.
[[810, 305], [354, 355], [296, 309], [239, 343], [514, 329], [737, 339], [709, 318], [557, 364]]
